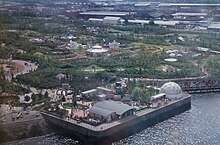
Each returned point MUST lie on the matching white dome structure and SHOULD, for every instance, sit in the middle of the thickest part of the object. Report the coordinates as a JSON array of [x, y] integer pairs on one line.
[[172, 90]]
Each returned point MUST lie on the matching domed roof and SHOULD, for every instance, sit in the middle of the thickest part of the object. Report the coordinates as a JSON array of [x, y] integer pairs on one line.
[[171, 88]]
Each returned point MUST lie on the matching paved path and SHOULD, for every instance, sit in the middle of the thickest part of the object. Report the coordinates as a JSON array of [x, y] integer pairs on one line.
[[22, 67]]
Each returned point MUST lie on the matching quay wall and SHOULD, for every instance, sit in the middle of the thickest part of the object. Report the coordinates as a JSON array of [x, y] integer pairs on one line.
[[24, 129], [132, 125]]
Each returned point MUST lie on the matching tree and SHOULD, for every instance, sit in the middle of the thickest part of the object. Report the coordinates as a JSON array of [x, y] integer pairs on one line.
[[33, 97], [26, 98], [151, 23], [135, 94], [46, 94], [40, 96], [63, 99], [126, 21], [145, 98], [36, 81], [94, 68]]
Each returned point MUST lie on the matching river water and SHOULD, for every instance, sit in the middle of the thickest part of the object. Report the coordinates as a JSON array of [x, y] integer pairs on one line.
[[198, 126]]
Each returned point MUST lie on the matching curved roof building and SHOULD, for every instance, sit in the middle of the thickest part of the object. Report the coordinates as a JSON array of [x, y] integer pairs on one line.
[[97, 50], [109, 110], [172, 90]]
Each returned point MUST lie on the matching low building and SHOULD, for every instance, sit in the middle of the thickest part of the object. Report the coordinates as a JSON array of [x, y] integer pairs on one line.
[[101, 114], [73, 45], [90, 93], [110, 96], [101, 14], [69, 98], [67, 36], [65, 86], [102, 90], [214, 27], [142, 4], [110, 110], [100, 93], [216, 18], [102, 97], [112, 20], [60, 76], [189, 16], [114, 45], [97, 51], [158, 97], [157, 22], [126, 98], [96, 20]]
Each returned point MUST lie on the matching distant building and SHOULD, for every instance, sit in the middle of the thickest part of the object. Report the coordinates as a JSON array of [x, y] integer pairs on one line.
[[160, 16], [67, 36], [126, 98], [4, 11], [191, 5], [157, 22], [89, 94], [110, 110], [97, 51], [102, 97], [189, 16], [114, 45], [60, 76], [73, 45], [68, 98], [112, 20], [65, 86], [96, 20], [102, 14], [102, 90], [36, 40], [108, 20], [142, 4], [214, 27], [216, 18], [97, 92]]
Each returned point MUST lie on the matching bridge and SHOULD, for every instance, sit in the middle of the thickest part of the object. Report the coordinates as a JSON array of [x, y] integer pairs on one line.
[[200, 86], [195, 85]]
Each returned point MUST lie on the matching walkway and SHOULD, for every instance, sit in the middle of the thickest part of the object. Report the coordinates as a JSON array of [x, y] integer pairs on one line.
[[21, 67]]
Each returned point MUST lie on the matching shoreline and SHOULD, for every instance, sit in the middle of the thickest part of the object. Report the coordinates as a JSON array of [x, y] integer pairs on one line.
[[12, 142], [23, 130]]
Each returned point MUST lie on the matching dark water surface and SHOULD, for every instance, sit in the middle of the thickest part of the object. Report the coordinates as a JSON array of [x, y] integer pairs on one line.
[[198, 126]]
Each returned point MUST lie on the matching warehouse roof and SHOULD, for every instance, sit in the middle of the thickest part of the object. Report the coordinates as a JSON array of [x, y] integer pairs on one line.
[[89, 91], [119, 108], [106, 13], [165, 23], [142, 4], [100, 111], [214, 26], [95, 19], [186, 4], [190, 14], [112, 18]]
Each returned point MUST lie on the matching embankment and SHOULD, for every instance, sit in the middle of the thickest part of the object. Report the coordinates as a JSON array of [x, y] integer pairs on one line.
[[25, 129]]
